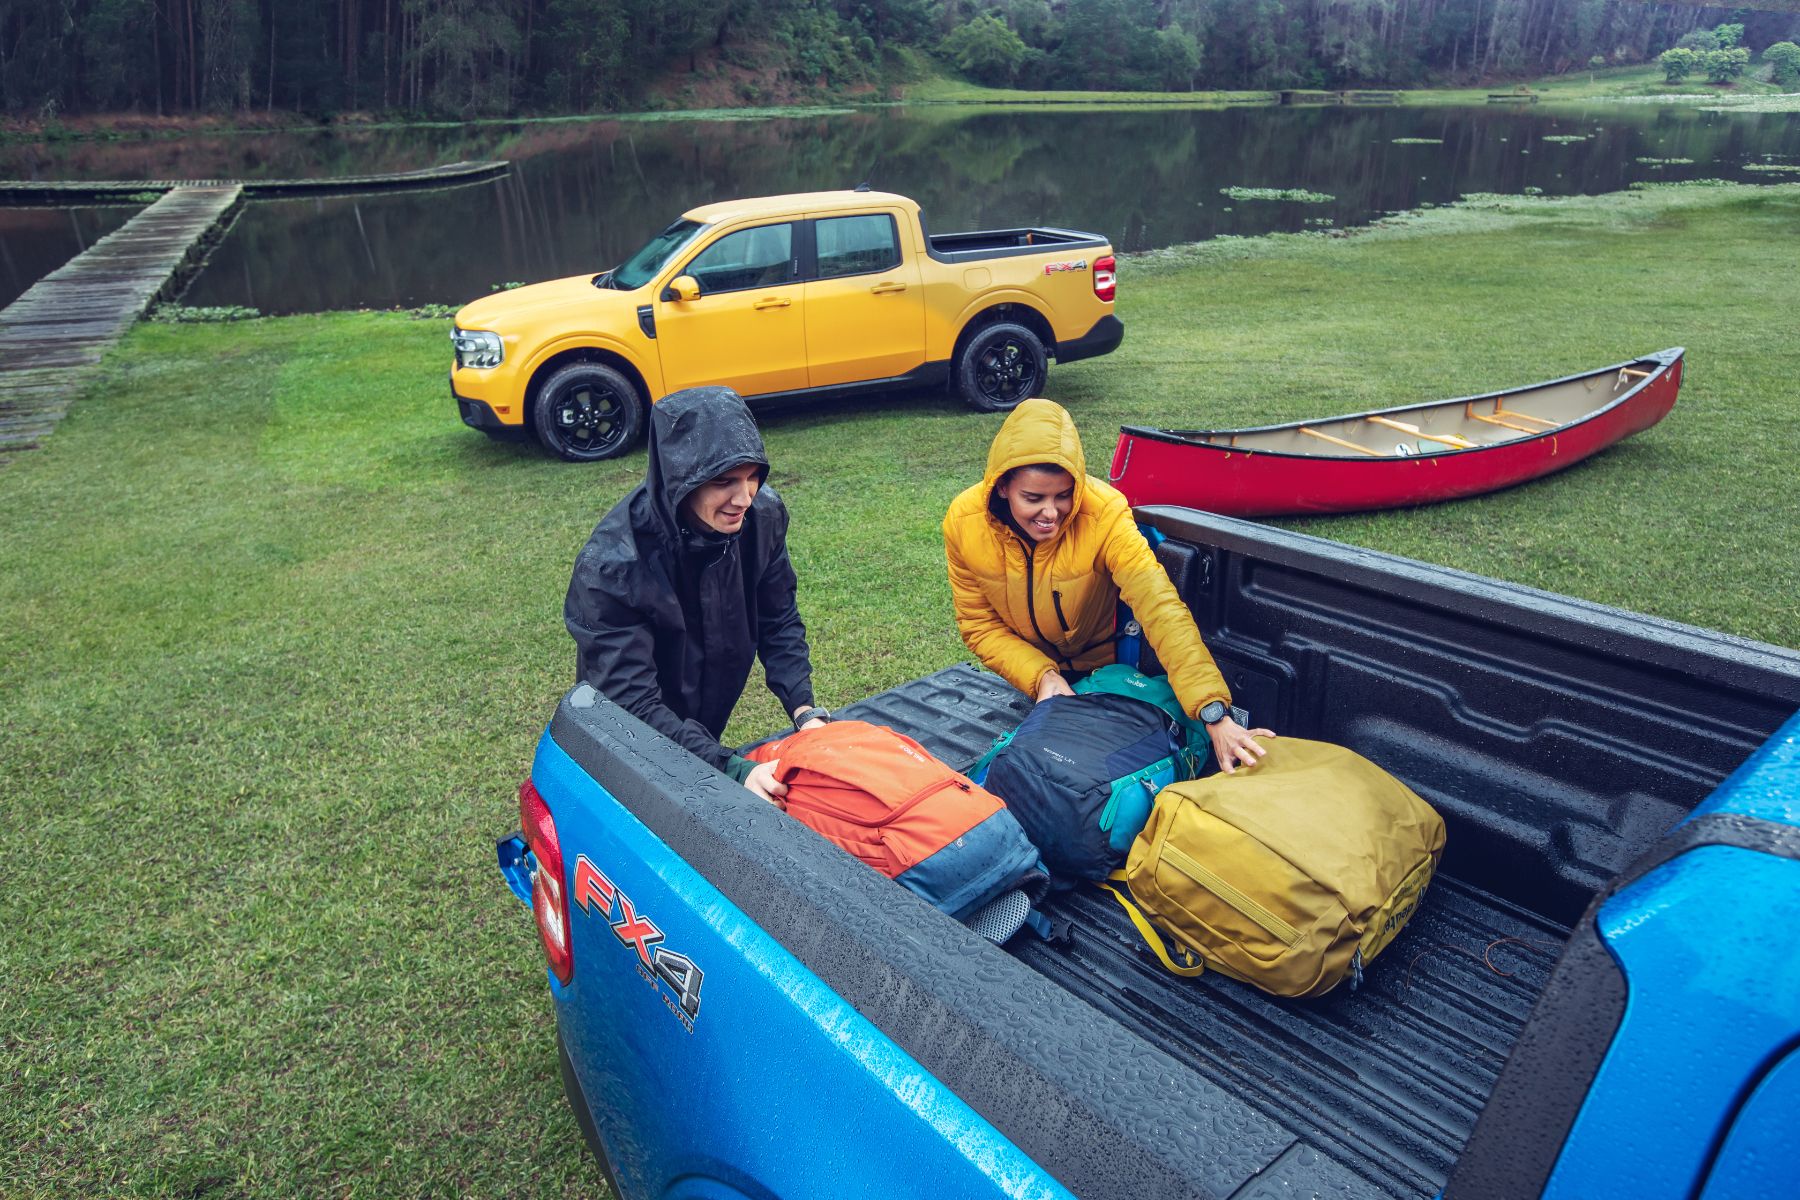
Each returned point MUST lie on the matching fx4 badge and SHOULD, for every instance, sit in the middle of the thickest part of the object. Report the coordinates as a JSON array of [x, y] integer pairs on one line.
[[599, 897], [1079, 264]]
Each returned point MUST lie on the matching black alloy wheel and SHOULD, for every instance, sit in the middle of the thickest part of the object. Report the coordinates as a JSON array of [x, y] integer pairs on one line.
[[586, 412], [1003, 364]]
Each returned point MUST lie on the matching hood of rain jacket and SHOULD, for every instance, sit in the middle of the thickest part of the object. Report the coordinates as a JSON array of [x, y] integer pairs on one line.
[[667, 618], [1026, 608]]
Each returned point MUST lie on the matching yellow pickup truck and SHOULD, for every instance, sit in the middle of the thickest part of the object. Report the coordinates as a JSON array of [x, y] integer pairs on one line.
[[784, 298]]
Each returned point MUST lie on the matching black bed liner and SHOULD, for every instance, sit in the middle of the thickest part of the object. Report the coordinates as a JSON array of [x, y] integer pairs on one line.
[[1388, 1080]]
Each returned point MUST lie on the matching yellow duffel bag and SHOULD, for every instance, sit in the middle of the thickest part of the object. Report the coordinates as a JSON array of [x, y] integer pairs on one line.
[[1290, 875]]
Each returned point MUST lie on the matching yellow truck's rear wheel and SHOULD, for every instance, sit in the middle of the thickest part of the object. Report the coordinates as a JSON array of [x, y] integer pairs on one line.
[[1002, 364]]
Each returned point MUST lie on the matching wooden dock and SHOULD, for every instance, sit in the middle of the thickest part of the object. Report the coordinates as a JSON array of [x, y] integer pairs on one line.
[[52, 337]]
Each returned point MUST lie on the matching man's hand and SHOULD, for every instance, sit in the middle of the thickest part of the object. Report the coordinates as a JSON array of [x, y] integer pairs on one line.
[[762, 781], [1053, 684], [1232, 743], [812, 724]]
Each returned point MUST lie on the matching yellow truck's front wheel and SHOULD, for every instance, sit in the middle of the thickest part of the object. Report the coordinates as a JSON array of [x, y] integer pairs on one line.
[[586, 412]]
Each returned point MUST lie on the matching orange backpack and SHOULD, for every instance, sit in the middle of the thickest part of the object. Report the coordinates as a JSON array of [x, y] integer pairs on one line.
[[882, 797]]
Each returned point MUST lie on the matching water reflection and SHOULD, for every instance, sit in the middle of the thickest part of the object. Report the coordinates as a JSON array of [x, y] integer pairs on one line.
[[584, 194], [36, 241]]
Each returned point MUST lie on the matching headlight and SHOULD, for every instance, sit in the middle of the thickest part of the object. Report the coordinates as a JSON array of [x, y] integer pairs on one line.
[[477, 348]]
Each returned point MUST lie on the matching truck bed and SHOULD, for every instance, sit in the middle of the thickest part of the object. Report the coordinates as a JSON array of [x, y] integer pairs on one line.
[[1003, 243], [1390, 1077], [1560, 740]]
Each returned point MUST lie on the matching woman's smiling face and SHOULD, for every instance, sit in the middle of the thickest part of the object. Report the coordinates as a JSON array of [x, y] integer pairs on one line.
[[1039, 499], [721, 502]]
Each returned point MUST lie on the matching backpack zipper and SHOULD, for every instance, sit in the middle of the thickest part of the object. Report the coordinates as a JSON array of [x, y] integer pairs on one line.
[[1259, 916], [893, 814]]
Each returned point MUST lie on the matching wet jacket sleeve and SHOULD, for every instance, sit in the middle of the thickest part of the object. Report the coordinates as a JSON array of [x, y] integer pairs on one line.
[[1167, 623], [985, 632], [780, 634], [616, 654]]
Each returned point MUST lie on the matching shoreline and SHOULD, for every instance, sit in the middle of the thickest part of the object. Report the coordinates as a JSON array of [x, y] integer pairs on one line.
[[1636, 85]]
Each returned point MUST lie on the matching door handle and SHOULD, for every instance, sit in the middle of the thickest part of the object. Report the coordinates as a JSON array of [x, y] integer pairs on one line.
[[888, 289], [772, 302]]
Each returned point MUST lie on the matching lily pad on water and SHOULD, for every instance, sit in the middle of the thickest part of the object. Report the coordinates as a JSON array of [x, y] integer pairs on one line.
[[1300, 195], [1795, 167], [1566, 137], [1418, 141]]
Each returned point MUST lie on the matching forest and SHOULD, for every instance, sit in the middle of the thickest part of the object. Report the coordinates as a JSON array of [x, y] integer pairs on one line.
[[505, 57]]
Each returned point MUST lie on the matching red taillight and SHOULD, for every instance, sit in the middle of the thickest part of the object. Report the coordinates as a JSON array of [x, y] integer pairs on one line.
[[1106, 277], [549, 893]]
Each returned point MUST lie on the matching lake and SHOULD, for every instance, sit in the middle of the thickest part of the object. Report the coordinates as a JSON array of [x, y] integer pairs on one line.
[[36, 241], [583, 194]]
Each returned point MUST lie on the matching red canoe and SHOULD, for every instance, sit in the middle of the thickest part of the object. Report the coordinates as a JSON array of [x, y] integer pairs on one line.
[[1394, 457]]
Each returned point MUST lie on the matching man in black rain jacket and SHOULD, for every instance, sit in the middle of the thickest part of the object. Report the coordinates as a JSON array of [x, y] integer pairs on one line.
[[687, 580]]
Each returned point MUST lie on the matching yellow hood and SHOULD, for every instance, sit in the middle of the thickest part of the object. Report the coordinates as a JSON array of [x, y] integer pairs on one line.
[[517, 309], [1038, 431]]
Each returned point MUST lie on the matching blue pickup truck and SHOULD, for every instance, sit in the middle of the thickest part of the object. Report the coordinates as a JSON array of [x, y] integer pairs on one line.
[[1600, 997]]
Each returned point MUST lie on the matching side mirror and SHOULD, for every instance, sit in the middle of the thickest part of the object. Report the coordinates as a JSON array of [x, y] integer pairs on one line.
[[682, 287]]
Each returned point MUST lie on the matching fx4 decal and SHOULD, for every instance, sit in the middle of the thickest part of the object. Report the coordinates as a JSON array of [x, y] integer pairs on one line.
[[598, 896], [1079, 264]]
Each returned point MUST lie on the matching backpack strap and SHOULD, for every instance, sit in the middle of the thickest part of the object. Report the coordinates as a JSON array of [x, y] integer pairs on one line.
[[978, 773], [1041, 925], [1192, 969]]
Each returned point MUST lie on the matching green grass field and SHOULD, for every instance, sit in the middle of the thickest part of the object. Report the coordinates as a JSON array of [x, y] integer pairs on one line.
[[277, 636]]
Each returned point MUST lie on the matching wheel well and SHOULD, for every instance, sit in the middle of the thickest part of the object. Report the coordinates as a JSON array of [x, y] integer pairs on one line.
[[593, 354], [1020, 314]]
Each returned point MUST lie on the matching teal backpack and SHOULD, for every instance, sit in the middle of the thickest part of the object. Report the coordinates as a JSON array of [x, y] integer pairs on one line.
[[1118, 679], [1081, 775], [1132, 793]]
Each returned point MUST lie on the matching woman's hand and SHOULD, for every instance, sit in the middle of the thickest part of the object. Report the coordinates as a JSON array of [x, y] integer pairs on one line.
[[1232, 743], [1053, 684], [762, 781]]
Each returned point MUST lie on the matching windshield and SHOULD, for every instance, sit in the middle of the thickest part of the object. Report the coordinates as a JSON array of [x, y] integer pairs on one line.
[[641, 267]]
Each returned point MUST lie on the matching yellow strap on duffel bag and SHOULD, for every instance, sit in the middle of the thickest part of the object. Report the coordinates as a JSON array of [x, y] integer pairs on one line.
[[1290, 875], [1191, 966]]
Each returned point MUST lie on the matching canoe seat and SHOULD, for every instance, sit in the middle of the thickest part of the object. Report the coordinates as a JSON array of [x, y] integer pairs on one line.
[[1338, 441], [1447, 439], [1468, 412]]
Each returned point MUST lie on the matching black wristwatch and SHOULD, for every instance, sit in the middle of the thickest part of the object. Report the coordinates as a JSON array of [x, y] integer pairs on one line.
[[1213, 713], [812, 714]]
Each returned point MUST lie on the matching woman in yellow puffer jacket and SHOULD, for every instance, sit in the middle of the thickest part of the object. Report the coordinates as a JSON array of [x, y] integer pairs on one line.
[[1039, 554]]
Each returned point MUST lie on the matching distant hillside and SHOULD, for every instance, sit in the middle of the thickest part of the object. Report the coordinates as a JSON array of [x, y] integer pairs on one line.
[[500, 57]]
